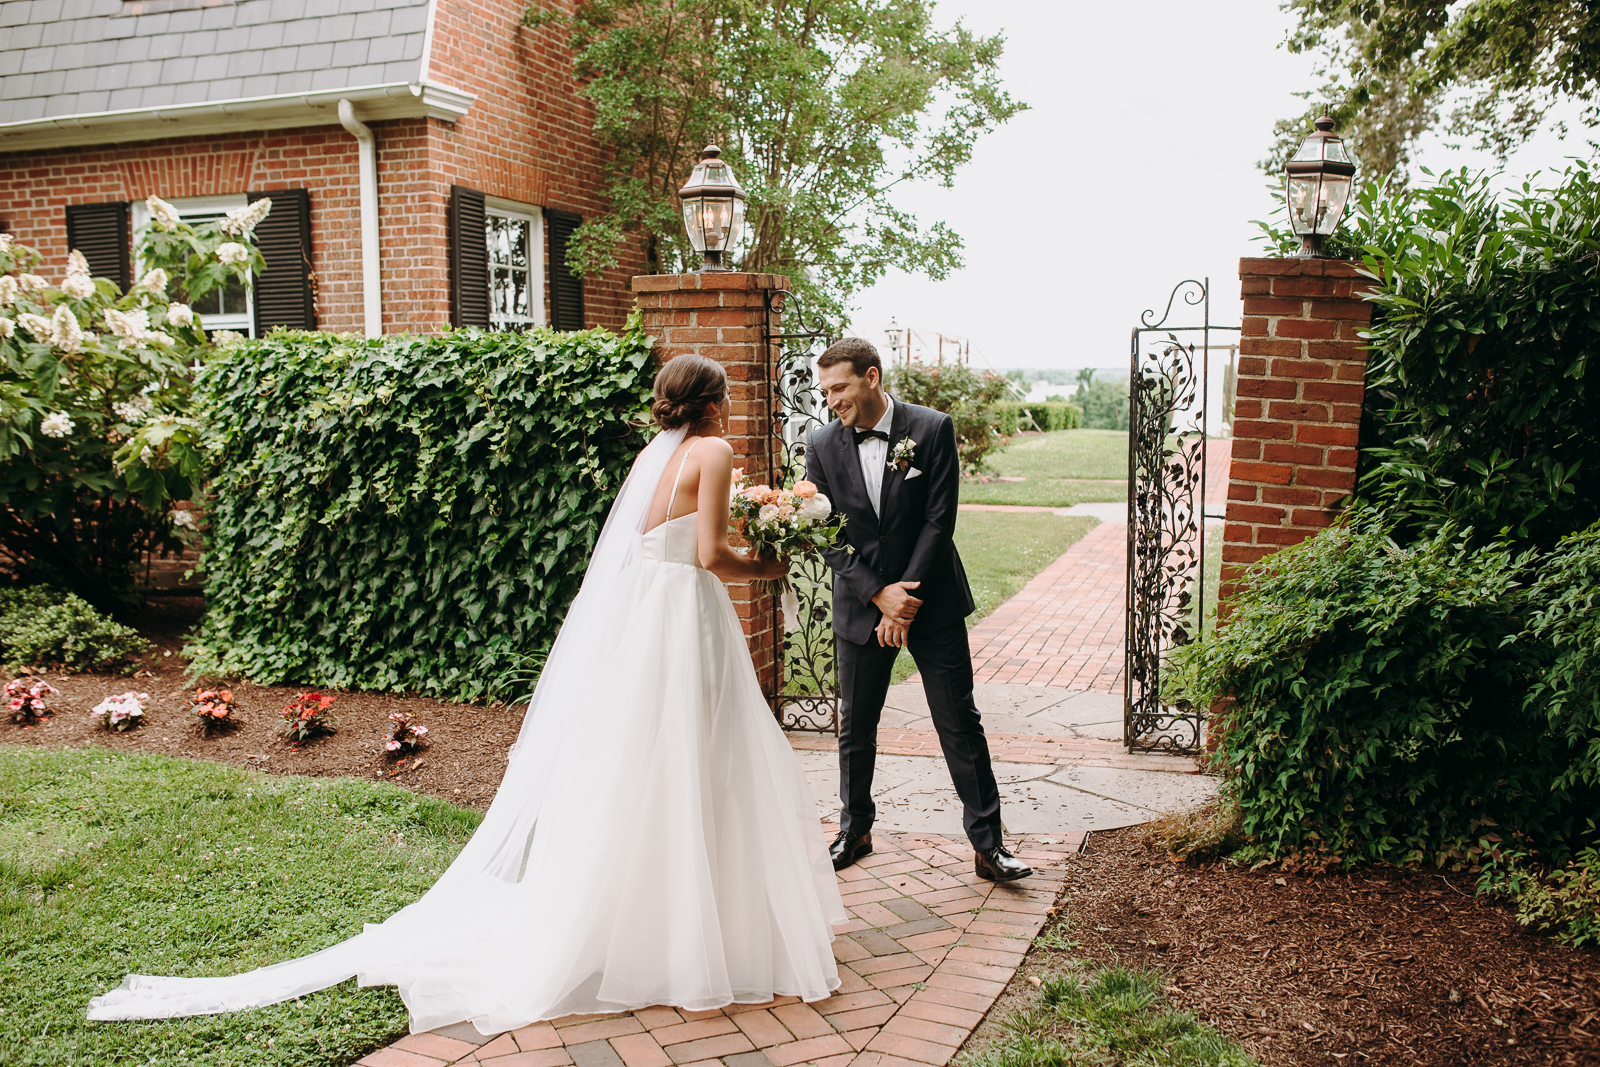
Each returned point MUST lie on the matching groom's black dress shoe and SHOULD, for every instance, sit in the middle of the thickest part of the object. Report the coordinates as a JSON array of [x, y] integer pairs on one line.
[[998, 865], [847, 848]]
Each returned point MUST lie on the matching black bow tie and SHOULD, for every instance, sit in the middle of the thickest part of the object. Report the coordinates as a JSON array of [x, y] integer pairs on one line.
[[867, 435]]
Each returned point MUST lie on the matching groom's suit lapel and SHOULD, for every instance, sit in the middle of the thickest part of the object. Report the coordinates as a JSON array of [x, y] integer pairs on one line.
[[893, 476], [850, 461]]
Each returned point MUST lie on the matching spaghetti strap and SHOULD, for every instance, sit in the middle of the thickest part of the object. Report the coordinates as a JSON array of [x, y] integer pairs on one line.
[[675, 478]]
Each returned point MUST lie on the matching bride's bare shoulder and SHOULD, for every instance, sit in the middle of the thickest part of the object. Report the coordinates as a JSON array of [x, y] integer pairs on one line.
[[714, 450]]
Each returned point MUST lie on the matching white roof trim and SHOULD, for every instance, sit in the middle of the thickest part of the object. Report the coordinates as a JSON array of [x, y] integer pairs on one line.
[[400, 100]]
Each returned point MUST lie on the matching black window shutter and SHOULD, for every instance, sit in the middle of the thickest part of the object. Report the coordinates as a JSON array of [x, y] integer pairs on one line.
[[469, 259], [285, 293], [566, 288], [100, 232]]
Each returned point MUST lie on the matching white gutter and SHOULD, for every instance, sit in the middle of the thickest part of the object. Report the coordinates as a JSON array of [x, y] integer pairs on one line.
[[371, 293], [397, 100]]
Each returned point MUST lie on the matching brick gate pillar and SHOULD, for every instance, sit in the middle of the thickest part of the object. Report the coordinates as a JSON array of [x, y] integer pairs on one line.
[[1297, 413], [723, 316]]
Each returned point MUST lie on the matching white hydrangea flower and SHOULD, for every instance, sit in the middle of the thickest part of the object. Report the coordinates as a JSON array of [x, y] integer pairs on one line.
[[8, 289], [77, 262], [32, 283], [181, 517], [154, 282], [162, 213], [56, 424], [37, 325], [180, 315], [5, 242], [232, 253], [7, 327], [134, 410], [244, 220], [146, 456], [226, 337], [65, 333], [78, 286]]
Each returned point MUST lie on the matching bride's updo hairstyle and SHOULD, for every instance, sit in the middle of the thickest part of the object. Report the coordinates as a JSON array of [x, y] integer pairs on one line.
[[686, 387]]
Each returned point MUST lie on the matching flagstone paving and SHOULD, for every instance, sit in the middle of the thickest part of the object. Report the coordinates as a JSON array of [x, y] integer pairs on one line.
[[928, 948]]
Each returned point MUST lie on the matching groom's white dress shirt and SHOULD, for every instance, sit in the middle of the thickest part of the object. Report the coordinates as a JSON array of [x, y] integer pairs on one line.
[[875, 456]]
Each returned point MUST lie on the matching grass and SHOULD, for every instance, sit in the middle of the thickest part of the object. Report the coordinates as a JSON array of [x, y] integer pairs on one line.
[[1110, 1016], [111, 863], [1062, 468]]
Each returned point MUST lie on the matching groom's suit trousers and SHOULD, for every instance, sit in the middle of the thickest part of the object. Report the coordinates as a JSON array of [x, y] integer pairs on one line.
[[945, 661]]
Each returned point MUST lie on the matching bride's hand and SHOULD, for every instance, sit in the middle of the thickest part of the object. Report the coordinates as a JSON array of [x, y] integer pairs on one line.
[[770, 570]]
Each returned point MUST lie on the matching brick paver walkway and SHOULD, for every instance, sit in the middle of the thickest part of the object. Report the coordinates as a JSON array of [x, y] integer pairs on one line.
[[928, 949], [1004, 748]]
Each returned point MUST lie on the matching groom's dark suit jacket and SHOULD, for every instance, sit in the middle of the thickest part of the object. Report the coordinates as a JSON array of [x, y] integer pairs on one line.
[[914, 540]]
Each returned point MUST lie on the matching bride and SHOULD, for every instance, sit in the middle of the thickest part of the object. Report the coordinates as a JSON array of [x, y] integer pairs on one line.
[[654, 840]]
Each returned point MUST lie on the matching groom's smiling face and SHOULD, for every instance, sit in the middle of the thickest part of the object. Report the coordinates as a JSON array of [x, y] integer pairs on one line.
[[857, 400]]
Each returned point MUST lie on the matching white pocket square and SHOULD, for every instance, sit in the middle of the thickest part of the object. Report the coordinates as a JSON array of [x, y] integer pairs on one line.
[[913, 473]]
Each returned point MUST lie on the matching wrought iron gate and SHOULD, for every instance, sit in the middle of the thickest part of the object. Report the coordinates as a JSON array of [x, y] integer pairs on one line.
[[1167, 401], [805, 692]]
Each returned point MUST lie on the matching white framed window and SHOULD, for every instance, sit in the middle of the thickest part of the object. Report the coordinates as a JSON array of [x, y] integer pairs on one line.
[[231, 307], [515, 236]]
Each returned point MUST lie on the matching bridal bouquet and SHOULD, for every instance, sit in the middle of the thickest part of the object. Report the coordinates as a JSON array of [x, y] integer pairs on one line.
[[782, 522]]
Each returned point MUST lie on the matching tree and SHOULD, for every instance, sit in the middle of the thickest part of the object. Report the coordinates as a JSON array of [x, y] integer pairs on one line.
[[1389, 67], [822, 107]]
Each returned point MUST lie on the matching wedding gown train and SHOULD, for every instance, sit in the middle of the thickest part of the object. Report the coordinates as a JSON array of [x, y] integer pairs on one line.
[[654, 840]]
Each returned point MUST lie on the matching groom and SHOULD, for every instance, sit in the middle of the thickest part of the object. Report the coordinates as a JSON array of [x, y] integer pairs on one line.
[[892, 469]]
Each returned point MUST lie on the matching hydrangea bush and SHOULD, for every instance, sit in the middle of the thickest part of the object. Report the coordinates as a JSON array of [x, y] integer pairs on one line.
[[96, 442]]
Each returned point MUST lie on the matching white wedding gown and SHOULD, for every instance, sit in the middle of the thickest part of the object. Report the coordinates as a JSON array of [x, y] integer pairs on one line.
[[654, 840]]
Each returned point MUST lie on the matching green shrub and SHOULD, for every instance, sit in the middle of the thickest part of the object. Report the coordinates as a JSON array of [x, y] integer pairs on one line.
[[42, 626], [1104, 404], [1561, 901], [969, 397], [1011, 416], [411, 512], [1566, 605], [1381, 703]]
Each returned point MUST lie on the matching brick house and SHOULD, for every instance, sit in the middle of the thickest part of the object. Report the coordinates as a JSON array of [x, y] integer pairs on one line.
[[427, 159]]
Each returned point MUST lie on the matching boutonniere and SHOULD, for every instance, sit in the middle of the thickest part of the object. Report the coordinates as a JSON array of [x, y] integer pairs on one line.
[[903, 454]]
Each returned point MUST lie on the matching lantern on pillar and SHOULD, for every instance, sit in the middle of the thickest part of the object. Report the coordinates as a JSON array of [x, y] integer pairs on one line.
[[713, 208], [893, 332], [1319, 179]]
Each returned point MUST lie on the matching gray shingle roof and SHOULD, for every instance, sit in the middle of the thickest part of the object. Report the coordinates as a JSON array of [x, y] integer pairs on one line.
[[77, 57]]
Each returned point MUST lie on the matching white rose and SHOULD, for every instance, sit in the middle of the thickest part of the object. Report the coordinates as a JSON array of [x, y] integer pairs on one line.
[[65, 332], [767, 513], [8, 289], [7, 327], [244, 220], [180, 315], [232, 253], [162, 213], [816, 509], [56, 424], [32, 283]]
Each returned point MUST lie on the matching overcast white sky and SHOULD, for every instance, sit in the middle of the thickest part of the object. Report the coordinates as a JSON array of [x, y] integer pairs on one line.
[[1135, 169]]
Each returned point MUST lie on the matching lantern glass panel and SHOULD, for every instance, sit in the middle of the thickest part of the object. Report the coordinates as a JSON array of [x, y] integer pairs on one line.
[[1334, 193], [1302, 199]]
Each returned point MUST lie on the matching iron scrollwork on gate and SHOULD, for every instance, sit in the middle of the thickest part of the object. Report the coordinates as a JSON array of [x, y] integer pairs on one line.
[[1167, 398], [806, 695]]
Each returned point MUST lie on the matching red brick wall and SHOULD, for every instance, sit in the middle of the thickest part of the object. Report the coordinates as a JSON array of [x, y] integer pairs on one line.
[[528, 137], [1297, 412], [722, 316]]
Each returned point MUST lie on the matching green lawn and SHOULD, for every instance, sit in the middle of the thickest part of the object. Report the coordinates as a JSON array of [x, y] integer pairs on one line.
[[1001, 551], [111, 863], [1061, 469]]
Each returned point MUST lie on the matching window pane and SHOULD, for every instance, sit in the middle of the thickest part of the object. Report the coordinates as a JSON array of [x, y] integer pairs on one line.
[[519, 241], [520, 280]]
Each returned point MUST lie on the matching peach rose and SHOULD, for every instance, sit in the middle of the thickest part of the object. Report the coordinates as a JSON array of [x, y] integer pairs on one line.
[[805, 490]]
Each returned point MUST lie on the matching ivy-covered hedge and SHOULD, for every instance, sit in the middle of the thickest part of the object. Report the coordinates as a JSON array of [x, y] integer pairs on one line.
[[409, 513]]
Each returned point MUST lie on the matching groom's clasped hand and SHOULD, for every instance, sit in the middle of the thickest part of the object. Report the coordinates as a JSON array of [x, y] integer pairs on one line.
[[899, 609]]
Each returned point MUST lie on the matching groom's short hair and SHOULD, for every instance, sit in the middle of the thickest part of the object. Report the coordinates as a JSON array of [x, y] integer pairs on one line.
[[859, 352]]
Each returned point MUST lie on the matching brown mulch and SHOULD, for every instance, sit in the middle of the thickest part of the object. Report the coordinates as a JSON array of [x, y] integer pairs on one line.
[[463, 761], [1379, 966]]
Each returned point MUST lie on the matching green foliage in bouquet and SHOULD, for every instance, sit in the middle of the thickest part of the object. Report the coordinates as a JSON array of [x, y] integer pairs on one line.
[[1385, 703], [412, 512], [40, 626], [95, 435], [969, 397]]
